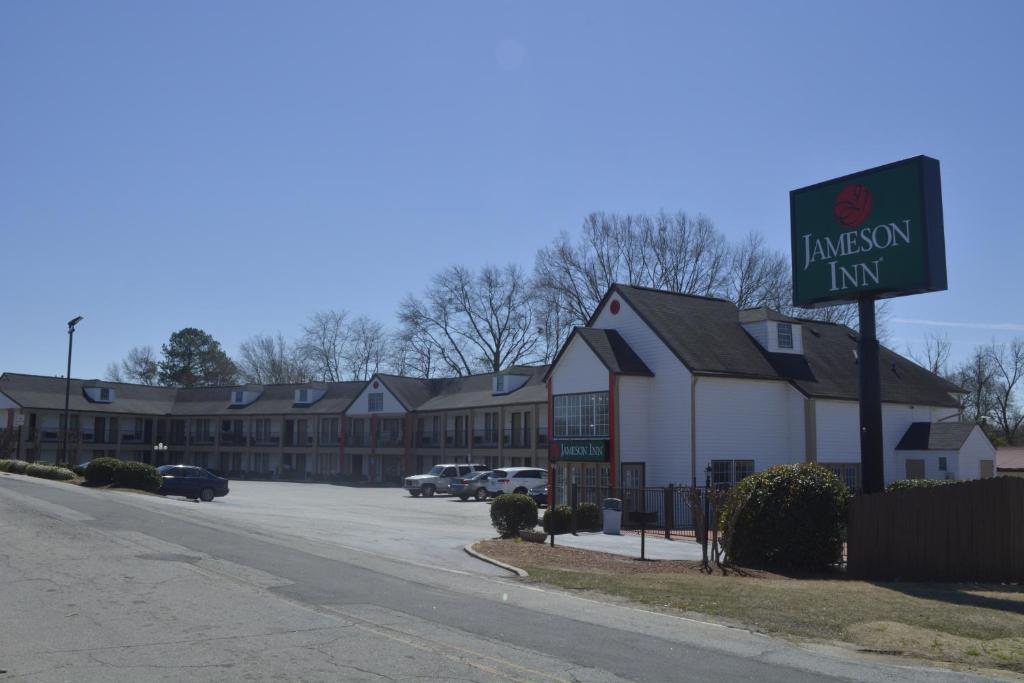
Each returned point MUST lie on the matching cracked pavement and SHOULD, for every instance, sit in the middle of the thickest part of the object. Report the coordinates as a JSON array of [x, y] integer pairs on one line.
[[295, 582]]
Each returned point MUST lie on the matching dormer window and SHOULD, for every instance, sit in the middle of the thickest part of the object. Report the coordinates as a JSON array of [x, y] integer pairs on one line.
[[499, 384], [303, 396], [238, 397], [785, 335], [105, 394]]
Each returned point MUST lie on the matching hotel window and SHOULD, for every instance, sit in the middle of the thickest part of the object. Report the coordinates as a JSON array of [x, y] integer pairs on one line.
[[730, 472], [303, 396], [104, 394], [785, 333], [581, 415], [499, 383], [375, 402], [848, 473]]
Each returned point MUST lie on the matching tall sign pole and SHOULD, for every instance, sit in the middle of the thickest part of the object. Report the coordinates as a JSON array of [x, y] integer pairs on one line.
[[862, 237]]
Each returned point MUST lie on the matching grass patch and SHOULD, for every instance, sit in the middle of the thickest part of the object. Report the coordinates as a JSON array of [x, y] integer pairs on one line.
[[975, 624]]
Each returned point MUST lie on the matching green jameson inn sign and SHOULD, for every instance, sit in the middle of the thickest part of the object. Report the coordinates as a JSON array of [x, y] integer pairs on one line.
[[877, 233], [582, 451]]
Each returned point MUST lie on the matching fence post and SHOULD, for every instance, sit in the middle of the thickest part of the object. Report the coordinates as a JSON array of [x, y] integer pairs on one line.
[[669, 516], [575, 504]]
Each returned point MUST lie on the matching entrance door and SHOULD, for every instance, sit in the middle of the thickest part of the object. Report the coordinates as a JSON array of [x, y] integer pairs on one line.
[[357, 464], [986, 469], [633, 480], [915, 468]]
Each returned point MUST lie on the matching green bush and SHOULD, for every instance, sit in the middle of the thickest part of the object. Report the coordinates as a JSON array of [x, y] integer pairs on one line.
[[512, 512], [100, 471], [13, 466], [790, 516], [49, 472], [908, 484], [137, 475], [588, 517], [558, 520]]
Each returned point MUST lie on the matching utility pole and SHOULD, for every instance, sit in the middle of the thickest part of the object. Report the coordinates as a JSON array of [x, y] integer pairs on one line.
[[67, 388]]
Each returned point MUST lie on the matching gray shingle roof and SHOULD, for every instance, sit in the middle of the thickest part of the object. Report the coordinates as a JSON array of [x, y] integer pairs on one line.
[[47, 393], [612, 350], [459, 393], [935, 436], [706, 335]]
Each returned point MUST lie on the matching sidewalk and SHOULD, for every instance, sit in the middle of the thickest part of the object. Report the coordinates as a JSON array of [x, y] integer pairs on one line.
[[657, 548]]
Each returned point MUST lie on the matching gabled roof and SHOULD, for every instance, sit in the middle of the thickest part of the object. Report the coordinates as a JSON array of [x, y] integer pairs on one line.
[[935, 436], [610, 348], [470, 391], [705, 334], [410, 391], [38, 391], [1010, 459]]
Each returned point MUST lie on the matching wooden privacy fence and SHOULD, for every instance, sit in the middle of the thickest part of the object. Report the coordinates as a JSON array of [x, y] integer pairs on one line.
[[968, 531]]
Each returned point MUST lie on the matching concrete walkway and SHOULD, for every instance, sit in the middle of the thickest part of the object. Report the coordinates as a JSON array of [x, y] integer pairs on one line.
[[657, 548]]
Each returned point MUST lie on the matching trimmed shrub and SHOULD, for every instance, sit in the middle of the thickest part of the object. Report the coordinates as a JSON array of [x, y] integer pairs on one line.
[[13, 466], [588, 517], [908, 484], [512, 512], [790, 516], [558, 520], [137, 475], [100, 471], [49, 472]]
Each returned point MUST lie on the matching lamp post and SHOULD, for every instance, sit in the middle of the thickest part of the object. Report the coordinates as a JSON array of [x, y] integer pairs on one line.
[[159, 451], [67, 386]]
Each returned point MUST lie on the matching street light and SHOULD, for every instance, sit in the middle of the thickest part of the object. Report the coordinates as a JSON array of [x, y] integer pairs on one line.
[[67, 385], [159, 451]]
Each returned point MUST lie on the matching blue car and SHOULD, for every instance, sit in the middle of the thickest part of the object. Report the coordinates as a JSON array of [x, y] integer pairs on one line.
[[194, 483], [540, 495]]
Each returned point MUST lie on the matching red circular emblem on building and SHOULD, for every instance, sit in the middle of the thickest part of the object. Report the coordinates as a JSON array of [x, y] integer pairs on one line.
[[853, 204], [615, 306], [376, 384]]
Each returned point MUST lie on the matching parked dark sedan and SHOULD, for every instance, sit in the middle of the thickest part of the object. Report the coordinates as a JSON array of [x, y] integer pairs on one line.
[[539, 494], [191, 482]]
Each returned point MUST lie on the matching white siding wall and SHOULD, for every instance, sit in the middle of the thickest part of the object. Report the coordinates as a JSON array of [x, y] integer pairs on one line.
[[838, 426], [579, 371], [931, 465], [634, 421], [667, 447], [975, 449], [747, 420], [360, 407]]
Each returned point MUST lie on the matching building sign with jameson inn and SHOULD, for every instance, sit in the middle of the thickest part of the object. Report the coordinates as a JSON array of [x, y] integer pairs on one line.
[[581, 451], [876, 234]]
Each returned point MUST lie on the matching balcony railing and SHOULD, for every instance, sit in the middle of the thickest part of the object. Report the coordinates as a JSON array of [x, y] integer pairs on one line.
[[298, 440], [203, 439], [232, 439], [174, 440], [329, 440], [49, 435], [266, 440], [485, 438], [390, 439], [357, 439], [455, 438], [133, 437], [516, 438], [428, 439]]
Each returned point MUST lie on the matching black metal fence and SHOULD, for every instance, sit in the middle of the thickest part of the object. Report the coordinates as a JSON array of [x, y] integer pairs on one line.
[[673, 505]]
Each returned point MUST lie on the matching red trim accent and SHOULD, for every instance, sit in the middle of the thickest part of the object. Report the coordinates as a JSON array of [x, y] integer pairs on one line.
[[407, 444], [373, 435], [611, 430], [551, 448], [341, 444]]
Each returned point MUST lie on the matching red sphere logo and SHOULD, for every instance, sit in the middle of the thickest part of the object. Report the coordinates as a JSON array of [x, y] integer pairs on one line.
[[615, 306], [853, 204]]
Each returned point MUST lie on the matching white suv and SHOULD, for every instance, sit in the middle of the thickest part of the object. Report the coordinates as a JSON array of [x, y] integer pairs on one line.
[[515, 480]]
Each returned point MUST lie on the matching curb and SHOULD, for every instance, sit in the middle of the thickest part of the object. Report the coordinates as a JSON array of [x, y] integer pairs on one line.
[[497, 563]]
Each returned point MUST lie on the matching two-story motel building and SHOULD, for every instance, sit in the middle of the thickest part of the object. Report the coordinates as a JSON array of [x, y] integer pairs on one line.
[[658, 388]]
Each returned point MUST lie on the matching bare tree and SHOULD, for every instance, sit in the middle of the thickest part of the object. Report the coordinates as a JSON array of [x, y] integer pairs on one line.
[[475, 321], [266, 359], [140, 366], [976, 377], [935, 354], [324, 344], [1007, 361], [411, 354], [366, 348], [113, 373], [758, 276]]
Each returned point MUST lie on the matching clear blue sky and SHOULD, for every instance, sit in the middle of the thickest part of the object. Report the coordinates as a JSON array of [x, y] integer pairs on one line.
[[236, 166]]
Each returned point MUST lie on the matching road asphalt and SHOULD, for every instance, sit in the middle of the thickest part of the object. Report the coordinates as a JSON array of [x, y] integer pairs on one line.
[[317, 582]]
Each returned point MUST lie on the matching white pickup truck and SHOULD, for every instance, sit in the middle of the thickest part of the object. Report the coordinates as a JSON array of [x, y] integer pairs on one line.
[[439, 479]]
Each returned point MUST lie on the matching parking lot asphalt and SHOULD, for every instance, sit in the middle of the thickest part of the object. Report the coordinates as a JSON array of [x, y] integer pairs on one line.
[[383, 521]]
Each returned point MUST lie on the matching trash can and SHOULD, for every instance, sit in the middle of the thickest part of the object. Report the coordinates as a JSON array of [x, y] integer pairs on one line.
[[612, 515]]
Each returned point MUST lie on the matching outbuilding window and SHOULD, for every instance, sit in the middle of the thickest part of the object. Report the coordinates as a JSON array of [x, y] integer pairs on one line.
[[581, 415], [785, 334], [942, 463]]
